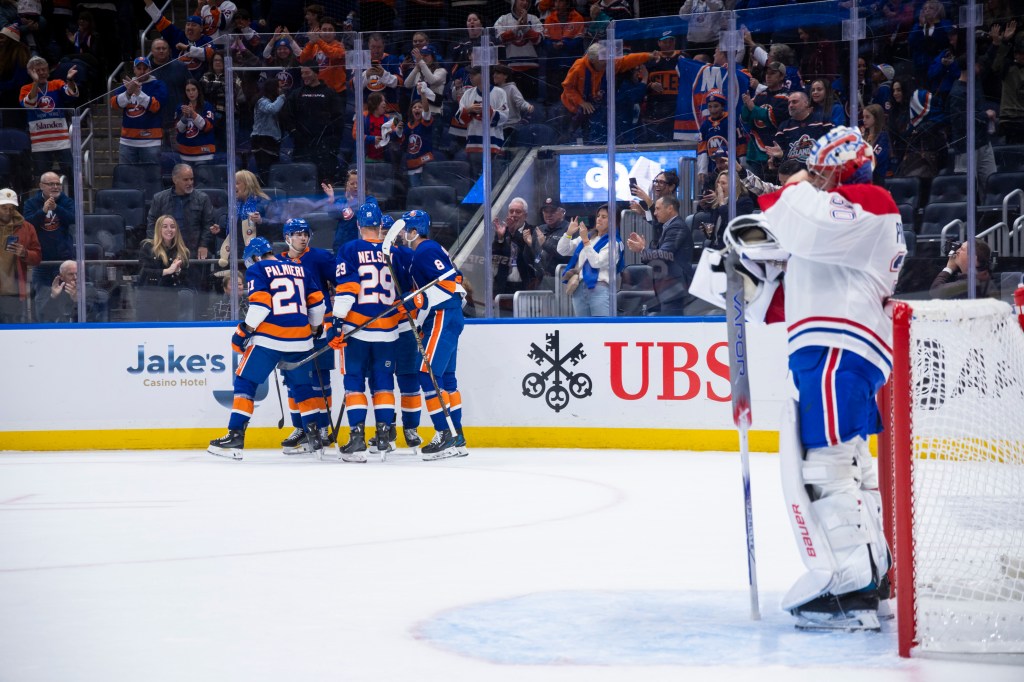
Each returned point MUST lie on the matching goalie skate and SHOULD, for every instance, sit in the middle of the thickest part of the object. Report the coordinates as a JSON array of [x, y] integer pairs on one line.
[[847, 613]]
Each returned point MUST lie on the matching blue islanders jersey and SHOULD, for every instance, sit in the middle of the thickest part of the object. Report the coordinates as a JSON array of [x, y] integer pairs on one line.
[[364, 290], [284, 299], [321, 263], [430, 261]]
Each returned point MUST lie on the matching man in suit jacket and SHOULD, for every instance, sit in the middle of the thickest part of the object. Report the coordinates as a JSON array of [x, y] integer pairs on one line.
[[670, 256]]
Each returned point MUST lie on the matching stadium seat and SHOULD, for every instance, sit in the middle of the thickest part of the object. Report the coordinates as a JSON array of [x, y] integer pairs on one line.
[[386, 190], [910, 237], [218, 198], [905, 191], [439, 201], [938, 215], [209, 176], [296, 179], [532, 135], [323, 227], [907, 216], [142, 176], [948, 188], [635, 303], [1009, 157], [130, 204], [637, 277], [999, 185], [454, 173], [107, 231], [14, 141]]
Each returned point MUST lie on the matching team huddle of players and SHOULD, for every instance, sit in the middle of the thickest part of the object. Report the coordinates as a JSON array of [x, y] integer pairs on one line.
[[394, 313]]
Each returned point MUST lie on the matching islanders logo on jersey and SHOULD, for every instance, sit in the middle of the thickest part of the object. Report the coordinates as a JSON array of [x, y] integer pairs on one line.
[[190, 63], [51, 223], [134, 109], [374, 83], [801, 148], [415, 144], [191, 130], [46, 104], [321, 58], [348, 214], [285, 80]]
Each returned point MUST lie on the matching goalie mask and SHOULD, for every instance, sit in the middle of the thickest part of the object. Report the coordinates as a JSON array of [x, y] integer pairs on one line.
[[842, 157]]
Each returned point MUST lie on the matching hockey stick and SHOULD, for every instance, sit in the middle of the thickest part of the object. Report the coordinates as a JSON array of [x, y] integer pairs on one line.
[[388, 241], [739, 380], [280, 402], [323, 394], [288, 366]]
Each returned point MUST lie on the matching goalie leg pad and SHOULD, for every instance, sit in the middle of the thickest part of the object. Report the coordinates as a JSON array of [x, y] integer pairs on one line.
[[880, 553], [824, 505]]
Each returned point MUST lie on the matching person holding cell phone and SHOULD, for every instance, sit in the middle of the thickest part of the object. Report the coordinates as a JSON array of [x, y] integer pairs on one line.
[[21, 250]]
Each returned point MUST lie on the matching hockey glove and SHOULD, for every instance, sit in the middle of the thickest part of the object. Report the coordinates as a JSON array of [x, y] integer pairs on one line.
[[335, 339], [418, 301], [240, 338]]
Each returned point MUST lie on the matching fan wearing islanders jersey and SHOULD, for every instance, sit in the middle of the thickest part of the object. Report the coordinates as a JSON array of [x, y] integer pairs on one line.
[[364, 290], [195, 50], [714, 134], [442, 323], [845, 241], [286, 309], [297, 234], [47, 102]]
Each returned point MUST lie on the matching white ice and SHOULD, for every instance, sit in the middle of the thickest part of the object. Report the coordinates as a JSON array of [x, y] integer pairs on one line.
[[507, 565]]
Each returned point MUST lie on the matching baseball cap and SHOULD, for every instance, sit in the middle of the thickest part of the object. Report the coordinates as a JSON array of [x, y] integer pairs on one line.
[[721, 152], [282, 41], [8, 196], [142, 60], [428, 49], [667, 34], [887, 70], [776, 66], [550, 204], [194, 19]]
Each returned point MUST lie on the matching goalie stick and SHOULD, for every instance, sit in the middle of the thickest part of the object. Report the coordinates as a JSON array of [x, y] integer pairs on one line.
[[739, 381], [287, 366], [389, 240]]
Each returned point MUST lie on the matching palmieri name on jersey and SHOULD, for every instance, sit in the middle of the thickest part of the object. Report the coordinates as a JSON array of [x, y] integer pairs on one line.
[[281, 269]]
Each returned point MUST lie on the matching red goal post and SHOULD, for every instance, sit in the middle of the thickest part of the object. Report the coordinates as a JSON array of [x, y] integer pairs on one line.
[[951, 473]]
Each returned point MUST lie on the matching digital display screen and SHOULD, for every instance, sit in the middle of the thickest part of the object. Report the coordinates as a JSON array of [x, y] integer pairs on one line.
[[583, 178]]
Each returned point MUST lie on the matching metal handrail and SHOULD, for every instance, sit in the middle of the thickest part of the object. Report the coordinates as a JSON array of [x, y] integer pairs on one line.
[[1015, 246], [110, 88], [1019, 193], [152, 23], [944, 233]]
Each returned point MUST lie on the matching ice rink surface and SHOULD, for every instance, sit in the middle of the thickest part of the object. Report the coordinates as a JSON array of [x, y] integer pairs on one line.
[[507, 565]]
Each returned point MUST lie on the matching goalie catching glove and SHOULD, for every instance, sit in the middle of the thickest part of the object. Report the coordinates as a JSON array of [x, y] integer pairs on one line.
[[762, 265]]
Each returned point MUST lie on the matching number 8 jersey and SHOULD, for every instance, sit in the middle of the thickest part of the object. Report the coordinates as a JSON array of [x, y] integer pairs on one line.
[[364, 290], [284, 300]]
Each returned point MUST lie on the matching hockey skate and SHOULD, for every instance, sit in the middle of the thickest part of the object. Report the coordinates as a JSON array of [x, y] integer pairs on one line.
[[297, 435], [313, 443], [355, 450], [230, 446], [460, 444], [412, 437], [854, 612], [442, 446], [327, 436], [383, 441]]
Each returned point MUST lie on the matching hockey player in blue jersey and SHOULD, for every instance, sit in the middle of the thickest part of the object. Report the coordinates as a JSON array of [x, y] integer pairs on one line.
[[442, 323], [286, 309], [364, 289], [297, 234]]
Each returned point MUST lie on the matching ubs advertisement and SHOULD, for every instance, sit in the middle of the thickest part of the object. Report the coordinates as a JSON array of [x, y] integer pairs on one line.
[[635, 374]]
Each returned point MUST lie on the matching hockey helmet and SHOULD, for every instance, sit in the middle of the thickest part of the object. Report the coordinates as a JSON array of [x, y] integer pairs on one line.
[[369, 214], [294, 225], [751, 236], [387, 221], [843, 156], [256, 249], [417, 220]]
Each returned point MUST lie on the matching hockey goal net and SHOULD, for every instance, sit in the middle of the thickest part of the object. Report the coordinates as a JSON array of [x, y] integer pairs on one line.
[[952, 468]]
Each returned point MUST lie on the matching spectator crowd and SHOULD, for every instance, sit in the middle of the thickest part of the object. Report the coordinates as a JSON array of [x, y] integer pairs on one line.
[[422, 123]]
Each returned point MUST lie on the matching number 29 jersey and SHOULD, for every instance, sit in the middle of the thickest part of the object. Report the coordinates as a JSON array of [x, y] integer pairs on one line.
[[364, 290], [284, 300]]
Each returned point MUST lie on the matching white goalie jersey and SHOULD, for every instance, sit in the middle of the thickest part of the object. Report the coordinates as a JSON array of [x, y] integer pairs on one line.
[[846, 249]]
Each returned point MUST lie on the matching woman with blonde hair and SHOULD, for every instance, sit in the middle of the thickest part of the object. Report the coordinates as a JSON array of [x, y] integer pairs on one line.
[[252, 203], [718, 203], [163, 260]]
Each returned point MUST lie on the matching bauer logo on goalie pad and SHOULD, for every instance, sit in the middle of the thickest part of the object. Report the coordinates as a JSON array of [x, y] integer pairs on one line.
[[556, 395]]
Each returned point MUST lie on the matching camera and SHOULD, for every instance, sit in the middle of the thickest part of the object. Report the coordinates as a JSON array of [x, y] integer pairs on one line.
[[952, 246]]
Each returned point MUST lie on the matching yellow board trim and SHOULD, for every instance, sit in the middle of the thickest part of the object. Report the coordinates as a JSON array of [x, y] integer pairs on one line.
[[478, 436]]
